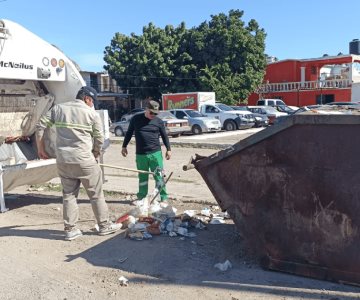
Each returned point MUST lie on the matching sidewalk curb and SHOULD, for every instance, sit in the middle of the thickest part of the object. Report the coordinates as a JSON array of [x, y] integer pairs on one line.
[[184, 144]]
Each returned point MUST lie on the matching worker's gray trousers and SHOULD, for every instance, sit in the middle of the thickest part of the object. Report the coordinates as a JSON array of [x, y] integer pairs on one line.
[[89, 174]]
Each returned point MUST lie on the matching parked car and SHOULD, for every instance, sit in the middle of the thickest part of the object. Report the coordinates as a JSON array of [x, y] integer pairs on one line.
[[260, 119], [129, 115], [343, 103], [173, 125], [285, 109], [307, 108], [198, 122], [246, 117], [274, 102], [119, 128], [318, 108], [269, 111]]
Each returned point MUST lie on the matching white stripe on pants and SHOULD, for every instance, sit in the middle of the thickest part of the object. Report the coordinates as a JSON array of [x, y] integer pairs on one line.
[[89, 174]]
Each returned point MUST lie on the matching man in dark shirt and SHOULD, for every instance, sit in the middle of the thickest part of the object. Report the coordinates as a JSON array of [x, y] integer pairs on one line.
[[148, 128]]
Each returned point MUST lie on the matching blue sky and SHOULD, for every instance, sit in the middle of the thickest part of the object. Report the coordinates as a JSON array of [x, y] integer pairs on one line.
[[82, 29]]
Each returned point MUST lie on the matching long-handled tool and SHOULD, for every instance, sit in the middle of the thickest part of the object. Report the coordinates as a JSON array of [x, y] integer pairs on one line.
[[126, 169], [159, 186], [161, 183]]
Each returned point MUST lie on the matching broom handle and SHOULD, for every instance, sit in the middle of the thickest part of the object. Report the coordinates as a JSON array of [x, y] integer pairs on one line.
[[127, 169], [167, 179]]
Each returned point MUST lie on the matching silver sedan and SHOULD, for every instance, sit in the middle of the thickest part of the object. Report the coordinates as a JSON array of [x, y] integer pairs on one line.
[[198, 122], [119, 128]]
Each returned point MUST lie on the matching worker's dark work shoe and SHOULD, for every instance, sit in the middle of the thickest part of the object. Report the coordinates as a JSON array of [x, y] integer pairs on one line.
[[72, 234], [109, 228]]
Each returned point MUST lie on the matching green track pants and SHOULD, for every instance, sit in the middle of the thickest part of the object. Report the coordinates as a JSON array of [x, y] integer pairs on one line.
[[150, 162]]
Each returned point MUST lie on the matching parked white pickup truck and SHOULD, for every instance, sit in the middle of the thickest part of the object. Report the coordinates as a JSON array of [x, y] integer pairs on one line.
[[230, 119]]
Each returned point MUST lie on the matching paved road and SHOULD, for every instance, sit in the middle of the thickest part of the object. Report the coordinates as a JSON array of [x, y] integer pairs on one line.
[[218, 140], [188, 184]]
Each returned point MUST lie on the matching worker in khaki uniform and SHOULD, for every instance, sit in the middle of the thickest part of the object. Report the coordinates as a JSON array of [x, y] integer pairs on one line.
[[78, 144]]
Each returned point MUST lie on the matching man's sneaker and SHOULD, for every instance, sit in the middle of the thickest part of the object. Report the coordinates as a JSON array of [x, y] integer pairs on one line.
[[109, 228], [72, 234]]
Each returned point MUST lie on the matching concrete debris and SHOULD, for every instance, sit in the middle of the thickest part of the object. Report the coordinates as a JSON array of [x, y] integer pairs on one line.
[[145, 221], [123, 281], [223, 266], [206, 212], [215, 221], [190, 213]]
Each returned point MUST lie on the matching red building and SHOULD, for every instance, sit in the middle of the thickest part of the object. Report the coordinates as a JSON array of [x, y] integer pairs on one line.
[[302, 82]]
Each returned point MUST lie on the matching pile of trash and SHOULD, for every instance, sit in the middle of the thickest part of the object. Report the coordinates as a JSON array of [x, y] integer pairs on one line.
[[157, 218]]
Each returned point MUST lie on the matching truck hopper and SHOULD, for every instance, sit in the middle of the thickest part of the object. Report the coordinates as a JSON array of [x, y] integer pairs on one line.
[[34, 75]]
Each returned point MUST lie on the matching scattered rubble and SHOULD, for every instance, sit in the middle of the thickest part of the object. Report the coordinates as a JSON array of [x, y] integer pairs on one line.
[[146, 220], [223, 266], [123, 281]]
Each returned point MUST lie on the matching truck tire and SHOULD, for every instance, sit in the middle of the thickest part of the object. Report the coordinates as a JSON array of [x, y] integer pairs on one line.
[[196, 129], [118, 131], [230, 125]]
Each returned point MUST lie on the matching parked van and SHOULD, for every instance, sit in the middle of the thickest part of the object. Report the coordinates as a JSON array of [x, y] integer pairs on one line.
[[274, 103], [270, 102]]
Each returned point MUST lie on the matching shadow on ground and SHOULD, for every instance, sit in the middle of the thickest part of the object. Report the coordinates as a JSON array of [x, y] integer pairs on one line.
[[15, 201], [190, 261]]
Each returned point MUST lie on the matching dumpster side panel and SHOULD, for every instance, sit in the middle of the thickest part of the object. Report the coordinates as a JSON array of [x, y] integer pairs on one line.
[[294, 197]]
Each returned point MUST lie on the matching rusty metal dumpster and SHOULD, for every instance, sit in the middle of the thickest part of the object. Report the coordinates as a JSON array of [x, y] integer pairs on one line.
[[293, 191]]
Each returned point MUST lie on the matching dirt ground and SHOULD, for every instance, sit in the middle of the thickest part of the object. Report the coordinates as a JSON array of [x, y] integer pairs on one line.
[[36, 262]]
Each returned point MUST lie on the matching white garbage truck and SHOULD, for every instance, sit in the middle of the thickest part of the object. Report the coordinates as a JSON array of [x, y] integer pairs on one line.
[[34, 75]]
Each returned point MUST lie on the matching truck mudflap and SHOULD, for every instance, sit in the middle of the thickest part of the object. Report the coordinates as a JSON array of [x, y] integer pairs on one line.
[[293, 193]]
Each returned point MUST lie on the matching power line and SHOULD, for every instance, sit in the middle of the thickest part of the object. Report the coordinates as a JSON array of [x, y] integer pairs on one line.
[[155, 77], [139, 87]]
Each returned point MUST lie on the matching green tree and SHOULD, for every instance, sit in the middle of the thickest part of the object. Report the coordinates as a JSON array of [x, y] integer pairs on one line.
[[232, 59], [223, 55], [144, 64]]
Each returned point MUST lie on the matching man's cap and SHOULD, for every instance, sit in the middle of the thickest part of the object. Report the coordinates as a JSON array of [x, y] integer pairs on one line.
[[88, 91], [153, 106]]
